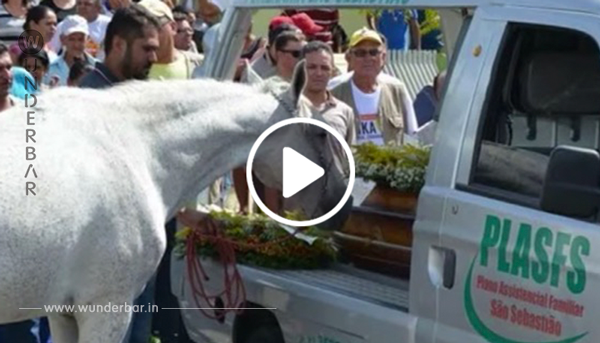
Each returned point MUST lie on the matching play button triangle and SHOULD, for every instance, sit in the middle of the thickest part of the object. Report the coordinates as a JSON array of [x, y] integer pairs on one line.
[[298, 172]]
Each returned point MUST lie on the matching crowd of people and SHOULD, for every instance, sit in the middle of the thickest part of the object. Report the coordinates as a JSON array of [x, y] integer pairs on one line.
[[76, 41], [97, 44], [363, 103]]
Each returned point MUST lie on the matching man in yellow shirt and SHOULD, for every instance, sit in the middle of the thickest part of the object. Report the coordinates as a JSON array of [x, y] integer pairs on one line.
[[171, 63]]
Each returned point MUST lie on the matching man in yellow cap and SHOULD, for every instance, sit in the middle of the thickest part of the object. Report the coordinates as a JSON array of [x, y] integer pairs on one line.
[[171, 63], [382, 108]]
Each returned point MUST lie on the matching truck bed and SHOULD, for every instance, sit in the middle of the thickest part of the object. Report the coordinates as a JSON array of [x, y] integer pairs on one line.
[[359, 284], [344, 279], [351, 304]]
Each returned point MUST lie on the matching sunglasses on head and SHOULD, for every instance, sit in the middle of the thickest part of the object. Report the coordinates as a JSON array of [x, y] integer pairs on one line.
[[294, 53], [364, 52]]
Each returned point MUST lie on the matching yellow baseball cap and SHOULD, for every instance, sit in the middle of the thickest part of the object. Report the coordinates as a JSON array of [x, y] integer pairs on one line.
[[159, 9], [365, 34]]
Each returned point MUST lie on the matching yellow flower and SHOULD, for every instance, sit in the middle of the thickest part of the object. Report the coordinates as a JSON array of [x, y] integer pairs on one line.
[[183, 233]]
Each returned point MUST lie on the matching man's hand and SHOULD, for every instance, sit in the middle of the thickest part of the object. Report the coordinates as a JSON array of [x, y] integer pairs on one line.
[[239, 70], [195, 219], [53, 81], [262, 47]]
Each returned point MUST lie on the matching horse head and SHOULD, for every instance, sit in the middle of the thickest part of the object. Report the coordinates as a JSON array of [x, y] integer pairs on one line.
[[310, 141]]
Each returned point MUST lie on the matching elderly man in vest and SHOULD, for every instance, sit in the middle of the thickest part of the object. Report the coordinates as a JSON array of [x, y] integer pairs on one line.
[[383, 110]]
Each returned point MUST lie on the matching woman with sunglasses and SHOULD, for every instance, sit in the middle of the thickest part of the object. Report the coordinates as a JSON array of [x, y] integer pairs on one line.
[[288, 49]]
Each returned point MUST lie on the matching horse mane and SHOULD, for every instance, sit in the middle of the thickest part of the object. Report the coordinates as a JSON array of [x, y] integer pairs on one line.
[[145, 94], [152, 104], [271, 85]]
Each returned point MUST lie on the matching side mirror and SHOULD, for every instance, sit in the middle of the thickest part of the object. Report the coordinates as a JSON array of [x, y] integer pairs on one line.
[[572, 182]]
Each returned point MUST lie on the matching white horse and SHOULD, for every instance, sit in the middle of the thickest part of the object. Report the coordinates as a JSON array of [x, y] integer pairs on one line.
[[112, 167]]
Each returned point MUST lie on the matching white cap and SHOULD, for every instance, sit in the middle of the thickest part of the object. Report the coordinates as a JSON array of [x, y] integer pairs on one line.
[[159, 9], [74, 23], [221, 4]]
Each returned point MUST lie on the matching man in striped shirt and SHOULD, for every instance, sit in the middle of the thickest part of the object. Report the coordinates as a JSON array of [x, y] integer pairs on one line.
[[11, 25]]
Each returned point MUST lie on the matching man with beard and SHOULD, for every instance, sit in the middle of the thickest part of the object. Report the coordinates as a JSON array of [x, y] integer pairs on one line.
[[131, 44]]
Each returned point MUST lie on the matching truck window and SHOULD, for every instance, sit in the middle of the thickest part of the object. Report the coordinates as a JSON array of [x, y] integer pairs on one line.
[[544, 92]]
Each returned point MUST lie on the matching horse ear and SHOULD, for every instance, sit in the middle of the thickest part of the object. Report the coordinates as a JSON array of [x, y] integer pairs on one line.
[[298, 81]]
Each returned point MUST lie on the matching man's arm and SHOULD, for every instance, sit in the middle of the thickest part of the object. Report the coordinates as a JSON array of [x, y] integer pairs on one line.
[[272, 196], [371, 21], [410, 118], [273, 200], [351, 125], [415, 30], [241, 188], [350, 134]]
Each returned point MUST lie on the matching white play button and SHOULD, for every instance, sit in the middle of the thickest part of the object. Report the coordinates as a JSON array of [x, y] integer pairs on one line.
[[298, 172]]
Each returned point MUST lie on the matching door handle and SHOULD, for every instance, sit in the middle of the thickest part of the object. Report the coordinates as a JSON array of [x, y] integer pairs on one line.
[[442, 266]]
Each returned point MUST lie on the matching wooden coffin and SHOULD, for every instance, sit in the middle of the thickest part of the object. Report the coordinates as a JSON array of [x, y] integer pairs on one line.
[[378, 234], [389, 199]]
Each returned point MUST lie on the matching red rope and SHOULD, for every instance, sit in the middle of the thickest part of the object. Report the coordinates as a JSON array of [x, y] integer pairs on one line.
[[233, 295]]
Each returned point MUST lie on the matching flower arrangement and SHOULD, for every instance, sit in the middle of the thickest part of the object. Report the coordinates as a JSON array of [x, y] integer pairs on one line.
[[251, 234], [398, 167]]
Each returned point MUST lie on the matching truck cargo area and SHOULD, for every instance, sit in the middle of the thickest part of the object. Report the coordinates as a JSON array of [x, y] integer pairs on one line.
[[343, 279]]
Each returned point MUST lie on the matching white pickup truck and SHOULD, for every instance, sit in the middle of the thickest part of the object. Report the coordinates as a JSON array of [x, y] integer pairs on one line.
[[502, 244]]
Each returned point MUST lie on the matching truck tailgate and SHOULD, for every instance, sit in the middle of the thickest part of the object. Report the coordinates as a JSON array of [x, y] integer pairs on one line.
[[343, 303]]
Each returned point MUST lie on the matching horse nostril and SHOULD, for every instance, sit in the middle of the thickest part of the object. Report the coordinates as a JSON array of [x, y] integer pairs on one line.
[[339, 219]]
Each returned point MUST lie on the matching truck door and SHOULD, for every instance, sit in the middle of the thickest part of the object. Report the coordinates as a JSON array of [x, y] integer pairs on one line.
[[511, 271]]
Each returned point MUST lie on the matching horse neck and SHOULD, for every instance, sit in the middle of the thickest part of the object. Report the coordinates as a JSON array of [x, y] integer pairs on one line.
[[202, 139]]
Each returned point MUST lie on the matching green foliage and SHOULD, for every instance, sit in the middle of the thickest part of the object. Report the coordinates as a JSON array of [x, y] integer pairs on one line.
[[399, 167], [432, 21], [252, 232]]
